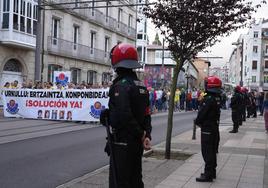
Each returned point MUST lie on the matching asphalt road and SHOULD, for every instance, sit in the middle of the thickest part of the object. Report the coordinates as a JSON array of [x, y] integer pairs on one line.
[[48, 161]]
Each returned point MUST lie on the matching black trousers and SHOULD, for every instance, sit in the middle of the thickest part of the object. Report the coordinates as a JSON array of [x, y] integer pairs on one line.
[[128, 165], [209, 144], [244, 113], [235, 119]]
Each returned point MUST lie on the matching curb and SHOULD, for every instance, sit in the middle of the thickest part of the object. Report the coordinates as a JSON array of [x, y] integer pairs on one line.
[[95, 172], [79, 179]]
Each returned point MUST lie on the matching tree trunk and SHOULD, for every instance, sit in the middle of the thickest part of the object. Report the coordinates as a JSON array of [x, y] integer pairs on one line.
[[177, 69]]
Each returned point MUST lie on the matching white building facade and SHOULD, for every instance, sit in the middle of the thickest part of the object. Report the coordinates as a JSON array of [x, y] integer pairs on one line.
[[77, 40], [255, 57], [142, 37]]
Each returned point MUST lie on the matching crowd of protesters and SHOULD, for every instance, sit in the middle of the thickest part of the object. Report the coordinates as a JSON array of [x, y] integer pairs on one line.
[[189, 101], [49, 85], [159, 97]]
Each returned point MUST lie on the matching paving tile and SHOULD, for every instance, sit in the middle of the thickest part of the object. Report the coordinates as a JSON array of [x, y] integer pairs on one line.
[[249, 185], [197, 185]]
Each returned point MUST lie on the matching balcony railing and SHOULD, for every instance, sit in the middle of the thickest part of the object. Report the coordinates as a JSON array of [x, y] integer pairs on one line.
[[78, 51], [96, 16], [16, 38]]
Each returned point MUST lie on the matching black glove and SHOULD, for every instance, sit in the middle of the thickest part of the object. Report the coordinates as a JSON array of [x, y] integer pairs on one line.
[[107, 149], [104, 117], [196, 123]]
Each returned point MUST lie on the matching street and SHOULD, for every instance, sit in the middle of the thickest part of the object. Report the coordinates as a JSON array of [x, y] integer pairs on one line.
[[45, 154]]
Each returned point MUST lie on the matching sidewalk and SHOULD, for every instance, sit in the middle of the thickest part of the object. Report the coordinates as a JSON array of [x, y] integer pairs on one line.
[[242, 162]]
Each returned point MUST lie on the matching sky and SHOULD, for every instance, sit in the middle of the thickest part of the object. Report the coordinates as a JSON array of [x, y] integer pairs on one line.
[[223, 48]]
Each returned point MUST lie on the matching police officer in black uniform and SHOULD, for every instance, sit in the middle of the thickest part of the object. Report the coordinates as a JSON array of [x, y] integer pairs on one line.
[[244, 103], [236, 102], [208, 120], [240, 115], [129, 118]]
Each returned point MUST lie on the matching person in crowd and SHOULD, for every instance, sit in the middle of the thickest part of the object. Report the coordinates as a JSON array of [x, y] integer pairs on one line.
[[129, 117], [7, 85], [30, 84], [177, 100], [15, 84], [159, 93], [194, 99], [189, 100], [265, 111], [208, 120], [235, 103], [182, 99], [244, 103], [164, 100], [261, 99]]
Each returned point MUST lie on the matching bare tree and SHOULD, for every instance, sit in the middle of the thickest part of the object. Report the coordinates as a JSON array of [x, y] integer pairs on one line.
[[190, 26]]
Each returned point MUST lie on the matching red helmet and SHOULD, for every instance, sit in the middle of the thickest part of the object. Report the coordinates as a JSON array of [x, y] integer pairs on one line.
[[213, 82], [125, 56], [244, 90], [238, 89]]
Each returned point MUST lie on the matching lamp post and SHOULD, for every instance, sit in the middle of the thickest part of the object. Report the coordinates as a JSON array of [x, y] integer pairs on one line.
[[187, 76]]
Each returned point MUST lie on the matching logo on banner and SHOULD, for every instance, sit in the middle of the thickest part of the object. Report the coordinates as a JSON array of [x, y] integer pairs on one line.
[[95, 110], [12, 107], [62, 79]]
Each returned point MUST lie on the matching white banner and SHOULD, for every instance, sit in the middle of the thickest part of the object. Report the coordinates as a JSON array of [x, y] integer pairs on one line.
[[71, 105]]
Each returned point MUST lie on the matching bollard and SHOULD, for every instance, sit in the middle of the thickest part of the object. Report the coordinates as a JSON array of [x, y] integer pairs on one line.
[[194, 131]]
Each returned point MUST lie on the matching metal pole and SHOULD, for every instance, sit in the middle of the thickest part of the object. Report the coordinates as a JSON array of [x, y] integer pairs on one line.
[[194, 131], [37, 72], [163, 59], [43, 46], [242, 54]]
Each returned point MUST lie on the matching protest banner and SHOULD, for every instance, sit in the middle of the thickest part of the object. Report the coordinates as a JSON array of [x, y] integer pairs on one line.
[[72, 105], [62, 77]]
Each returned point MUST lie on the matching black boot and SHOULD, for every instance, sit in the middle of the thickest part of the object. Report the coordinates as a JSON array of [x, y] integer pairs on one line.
[[213, 176], [204, 178], [233, 131]]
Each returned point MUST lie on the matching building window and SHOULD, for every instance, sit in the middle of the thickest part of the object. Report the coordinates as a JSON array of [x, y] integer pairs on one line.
[[93, 7], [106, 46], [266, 49], [130, 18], [92, 41], [255, 49], [106, 78], [76, 3], [254, 65], [139, 36], [256, 34], [13, 65], [265, 78], [75, 37], [50, 72], [76, 75], [266, 64], [6, 8], [22, 15], [55, 30], [253, 79], [35, 14], [139, 49], [119, 16], [29, 18], [91, 77]]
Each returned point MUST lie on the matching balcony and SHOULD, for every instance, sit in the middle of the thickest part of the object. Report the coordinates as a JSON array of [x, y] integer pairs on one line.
[[77, 51], [17, 39], [98, 17]]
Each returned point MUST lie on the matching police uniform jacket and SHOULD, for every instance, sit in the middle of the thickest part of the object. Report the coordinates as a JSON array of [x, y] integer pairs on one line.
[[129, 113], [209, 112]]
